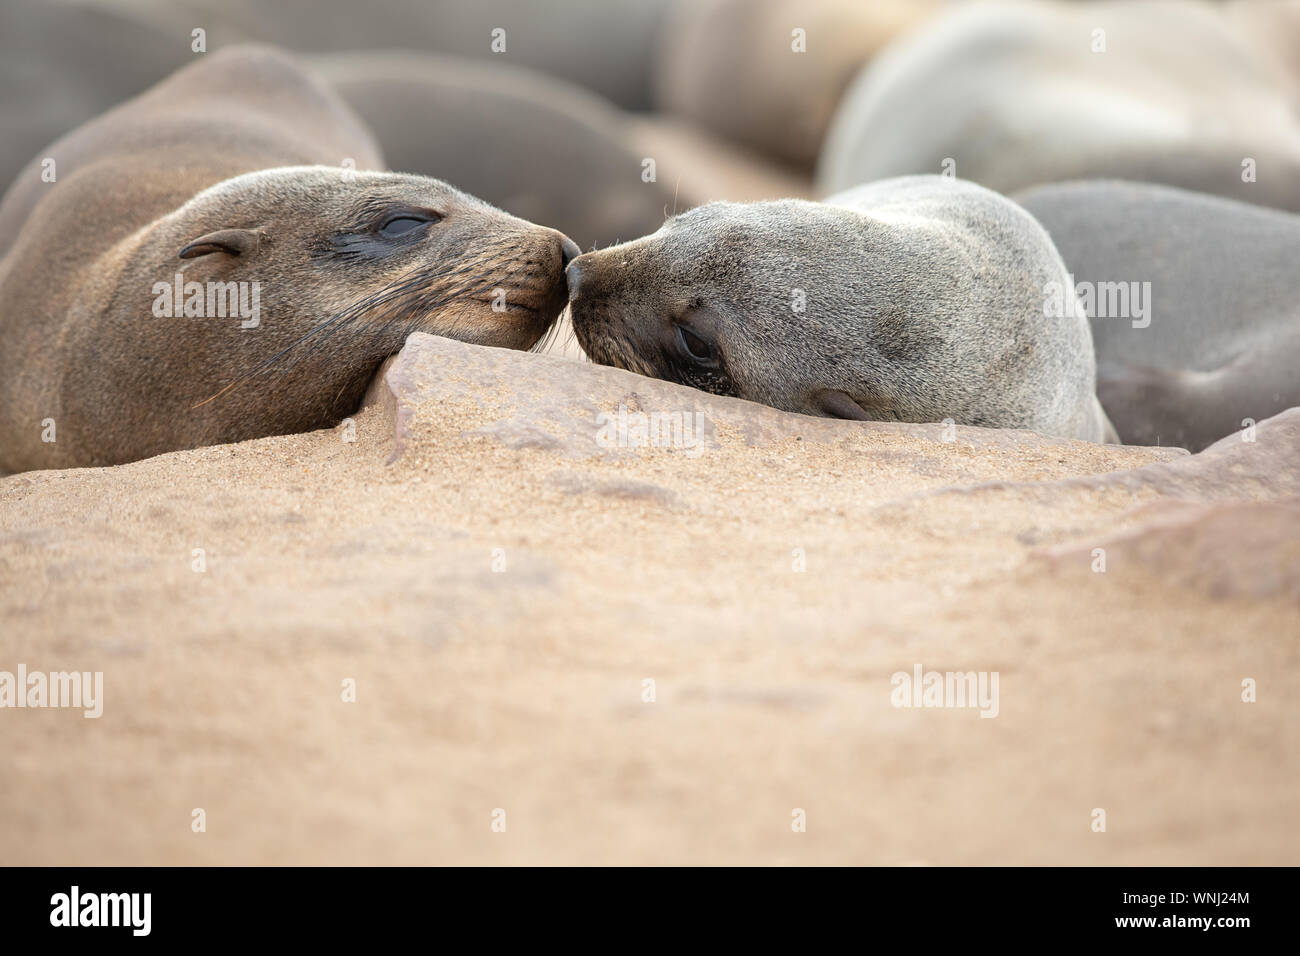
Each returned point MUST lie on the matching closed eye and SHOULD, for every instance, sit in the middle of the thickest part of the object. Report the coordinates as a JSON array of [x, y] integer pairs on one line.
[[379, 233], [695, 347], [396, 226]]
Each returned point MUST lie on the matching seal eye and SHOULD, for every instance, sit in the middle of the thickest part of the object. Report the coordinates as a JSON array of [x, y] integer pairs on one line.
[[694, 346], [401, 225]]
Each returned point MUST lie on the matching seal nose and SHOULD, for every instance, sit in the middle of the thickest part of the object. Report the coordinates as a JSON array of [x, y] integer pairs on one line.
[[569, 251], [573, 275]]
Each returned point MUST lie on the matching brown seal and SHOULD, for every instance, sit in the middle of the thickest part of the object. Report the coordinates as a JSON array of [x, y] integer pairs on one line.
[[215, 264]]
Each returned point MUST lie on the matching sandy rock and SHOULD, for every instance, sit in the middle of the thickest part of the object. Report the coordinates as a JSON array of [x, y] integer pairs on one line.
[[650, 653], [540, 401], [1248, 550]]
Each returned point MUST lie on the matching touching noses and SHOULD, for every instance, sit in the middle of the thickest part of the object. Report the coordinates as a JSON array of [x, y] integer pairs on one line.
[[568, 250], [573, 275]]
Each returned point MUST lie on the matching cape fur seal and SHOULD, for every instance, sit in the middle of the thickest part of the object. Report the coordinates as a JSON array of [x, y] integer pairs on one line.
[[210, 268], [1022, 95], [1210, 336], [916, 299], [767, 73]]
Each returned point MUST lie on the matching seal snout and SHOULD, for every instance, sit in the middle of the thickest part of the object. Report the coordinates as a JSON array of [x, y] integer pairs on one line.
[[573, 276], [569, 250], [585, 268]]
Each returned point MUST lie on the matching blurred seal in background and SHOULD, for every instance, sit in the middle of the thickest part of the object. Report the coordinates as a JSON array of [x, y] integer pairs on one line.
[[767, 74], [1211, 333], [67, 61], [62, 64], [602, 45], [541, 148], [1013, 96]]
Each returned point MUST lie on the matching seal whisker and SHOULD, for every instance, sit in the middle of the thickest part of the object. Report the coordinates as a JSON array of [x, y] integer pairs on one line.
[[418, 307], [414, 279]]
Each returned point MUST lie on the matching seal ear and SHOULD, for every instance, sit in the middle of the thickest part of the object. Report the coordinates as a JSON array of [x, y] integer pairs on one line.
[[233, 242], [839, 405]]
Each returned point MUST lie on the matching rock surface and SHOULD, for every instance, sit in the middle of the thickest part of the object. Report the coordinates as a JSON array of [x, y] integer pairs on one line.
[[650, 635]]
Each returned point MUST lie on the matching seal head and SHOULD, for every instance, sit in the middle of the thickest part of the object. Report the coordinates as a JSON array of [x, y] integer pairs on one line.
[[265, 304], [917, 300], [368, 250], [216, 264]]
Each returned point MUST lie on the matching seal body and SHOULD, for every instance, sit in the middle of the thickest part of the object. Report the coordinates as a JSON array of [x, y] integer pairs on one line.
[[917, 299], [215, 263], [1209, 339], [1018, 95]]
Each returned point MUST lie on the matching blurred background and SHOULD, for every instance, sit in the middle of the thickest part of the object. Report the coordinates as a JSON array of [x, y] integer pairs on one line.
[[551, 108]]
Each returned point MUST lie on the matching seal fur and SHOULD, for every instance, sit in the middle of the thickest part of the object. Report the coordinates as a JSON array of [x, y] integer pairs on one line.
[[916, 299], [1218, 343], [242, 168]]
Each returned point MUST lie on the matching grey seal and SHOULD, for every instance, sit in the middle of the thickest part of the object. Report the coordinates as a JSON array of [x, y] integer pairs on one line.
[[916, 299], [1211, 338]]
